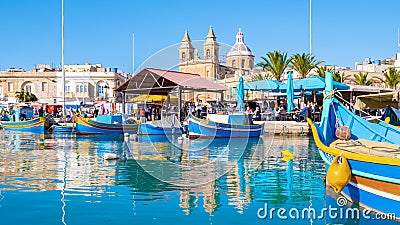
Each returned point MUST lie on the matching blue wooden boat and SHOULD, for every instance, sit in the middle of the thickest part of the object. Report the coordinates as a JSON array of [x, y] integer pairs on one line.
[[166, 126], [37, 125], [223, 126], [108, 124], [371, 151], [151, 129]]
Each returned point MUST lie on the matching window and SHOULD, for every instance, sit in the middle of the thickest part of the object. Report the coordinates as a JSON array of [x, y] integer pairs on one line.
[[85, 88], [208, 53], [100, 90], [183, 56], [28, 88], [81, 88], [77, 88], [233, 63], [67, 88], [10, 86], [243, 61], [44, 86]]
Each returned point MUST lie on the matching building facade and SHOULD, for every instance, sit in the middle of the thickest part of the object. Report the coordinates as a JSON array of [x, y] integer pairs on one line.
[[239, 62], [88, 83], [83, 83], [42, 84]]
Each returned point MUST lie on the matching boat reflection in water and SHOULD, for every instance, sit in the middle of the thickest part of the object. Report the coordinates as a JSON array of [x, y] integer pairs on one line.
[[194, 181]]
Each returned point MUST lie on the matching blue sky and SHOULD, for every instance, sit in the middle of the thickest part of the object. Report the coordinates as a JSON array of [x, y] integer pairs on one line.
[[100, 31]]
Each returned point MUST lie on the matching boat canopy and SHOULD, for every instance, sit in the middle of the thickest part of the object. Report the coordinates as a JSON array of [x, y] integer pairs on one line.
[[233, 119], [377, 101], [109, 119]]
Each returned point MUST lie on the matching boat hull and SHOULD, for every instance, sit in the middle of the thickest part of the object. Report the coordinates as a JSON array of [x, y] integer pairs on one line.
[[88, 126], [210, 129], [35, 125], [372, 185], [150, 129]]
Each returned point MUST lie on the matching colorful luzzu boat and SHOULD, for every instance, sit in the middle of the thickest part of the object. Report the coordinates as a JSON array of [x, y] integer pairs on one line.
[[103, 125], [166, 126], [37, 125], [223, 126], [369, 172]]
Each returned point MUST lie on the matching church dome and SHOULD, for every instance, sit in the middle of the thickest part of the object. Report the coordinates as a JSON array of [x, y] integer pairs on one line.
[[240, 48]]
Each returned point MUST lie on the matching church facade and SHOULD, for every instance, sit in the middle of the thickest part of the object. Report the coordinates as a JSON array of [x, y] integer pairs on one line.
[[239, 62]]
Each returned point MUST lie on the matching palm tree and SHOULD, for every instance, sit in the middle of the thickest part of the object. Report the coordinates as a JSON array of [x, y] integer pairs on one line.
[[336, 74], [392, 78], [20, 95], [276, 63], [25, 96], [258, 76], [304, 63], [340, 77], [362, 79]]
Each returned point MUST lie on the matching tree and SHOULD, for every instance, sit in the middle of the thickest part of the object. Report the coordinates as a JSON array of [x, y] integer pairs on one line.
[[362, 79], [259, 76], [337, 76], [24, 96], [392, 78], [276, 63], [304, 63]]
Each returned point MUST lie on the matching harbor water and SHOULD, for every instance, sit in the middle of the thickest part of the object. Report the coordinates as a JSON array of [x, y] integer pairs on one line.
[[63, 179]]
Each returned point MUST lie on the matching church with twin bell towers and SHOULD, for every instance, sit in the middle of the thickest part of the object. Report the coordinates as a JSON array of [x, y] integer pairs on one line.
[[224, 69]]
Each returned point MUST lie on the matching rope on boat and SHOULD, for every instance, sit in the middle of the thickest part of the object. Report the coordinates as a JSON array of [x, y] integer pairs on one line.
[[380, 149]]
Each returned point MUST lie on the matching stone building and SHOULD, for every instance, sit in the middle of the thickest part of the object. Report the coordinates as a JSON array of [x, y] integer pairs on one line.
[[42, 84], [83, 83], [239, 61], [88, 83]]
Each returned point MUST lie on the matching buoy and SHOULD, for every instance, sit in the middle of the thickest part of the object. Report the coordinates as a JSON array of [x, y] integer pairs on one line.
[[387, 120], [110, 156], [339, 175], [287, 155]]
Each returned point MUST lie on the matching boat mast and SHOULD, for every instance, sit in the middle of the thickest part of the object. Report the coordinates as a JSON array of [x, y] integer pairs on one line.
[[62, 58]]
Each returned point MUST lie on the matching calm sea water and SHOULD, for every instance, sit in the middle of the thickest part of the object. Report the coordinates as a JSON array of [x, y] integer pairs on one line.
[[47, 179]]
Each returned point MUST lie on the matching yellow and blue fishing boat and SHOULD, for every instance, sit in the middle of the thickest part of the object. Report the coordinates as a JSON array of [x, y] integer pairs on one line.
[[362, 158], [37, 125], [106, 124]]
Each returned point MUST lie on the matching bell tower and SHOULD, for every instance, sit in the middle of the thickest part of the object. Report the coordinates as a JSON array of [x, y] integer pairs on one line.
[[186, 50], [211, 47]]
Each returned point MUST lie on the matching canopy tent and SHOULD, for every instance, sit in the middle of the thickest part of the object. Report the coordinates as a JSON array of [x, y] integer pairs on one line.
[[391, 115], [262, 85], [152, 81], [160, 82], [377, 101], [312, 83], [152, 98]]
